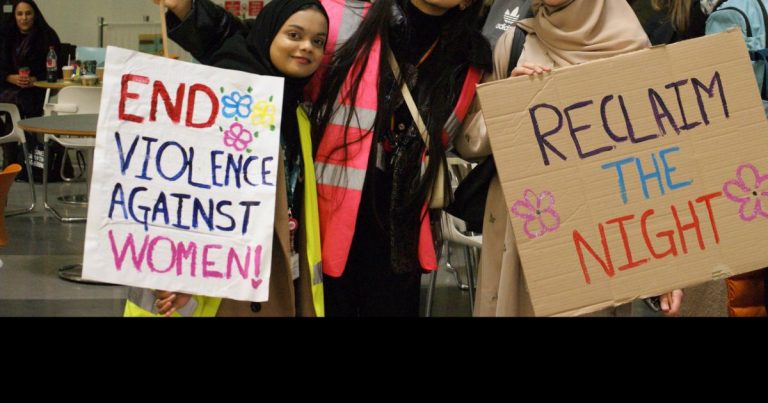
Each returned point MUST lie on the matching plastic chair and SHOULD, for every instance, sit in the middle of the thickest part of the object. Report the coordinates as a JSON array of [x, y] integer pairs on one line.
[[452, 230], [10, 111], [72, 100], [6, 180]]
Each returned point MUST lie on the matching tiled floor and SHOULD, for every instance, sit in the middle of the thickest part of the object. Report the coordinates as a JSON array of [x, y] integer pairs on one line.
[[39, 244]]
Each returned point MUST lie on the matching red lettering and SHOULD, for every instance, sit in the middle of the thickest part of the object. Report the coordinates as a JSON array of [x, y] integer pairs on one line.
[[669, 234], [607, 265], [695, 224], [125, 95], [666, 236], [193, 90], [706, 199], [625, 240], [172, 110]]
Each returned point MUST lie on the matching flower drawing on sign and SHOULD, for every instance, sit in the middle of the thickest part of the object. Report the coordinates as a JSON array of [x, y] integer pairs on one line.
[[264, 114], [750, 190], [538, 213], [237, 137], [236, 104]]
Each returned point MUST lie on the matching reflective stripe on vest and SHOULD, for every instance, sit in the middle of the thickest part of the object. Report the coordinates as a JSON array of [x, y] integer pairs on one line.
[[453, 124], [361, 118], [344, 17], [337, 175], [351, 18], [311, 217]]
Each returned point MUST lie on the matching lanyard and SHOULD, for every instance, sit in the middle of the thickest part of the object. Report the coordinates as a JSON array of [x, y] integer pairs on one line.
[[292, 171]]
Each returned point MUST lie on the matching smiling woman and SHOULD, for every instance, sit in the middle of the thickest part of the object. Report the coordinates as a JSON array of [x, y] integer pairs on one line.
[[286, 40], [298, 47]]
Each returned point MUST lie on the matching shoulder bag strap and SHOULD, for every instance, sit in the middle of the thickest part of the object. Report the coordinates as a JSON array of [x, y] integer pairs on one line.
[[409, 101]]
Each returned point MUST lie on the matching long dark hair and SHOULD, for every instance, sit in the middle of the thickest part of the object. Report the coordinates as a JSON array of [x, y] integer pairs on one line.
[[40, 24], [461, 45]]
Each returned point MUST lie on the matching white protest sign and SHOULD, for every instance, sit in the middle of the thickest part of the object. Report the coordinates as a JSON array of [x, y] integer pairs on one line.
[[185, 170]]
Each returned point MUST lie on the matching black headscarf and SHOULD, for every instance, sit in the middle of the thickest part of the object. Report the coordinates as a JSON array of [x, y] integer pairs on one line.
[[35, 41], [260, 35], [266, 27], [26, 50], [40, 25]]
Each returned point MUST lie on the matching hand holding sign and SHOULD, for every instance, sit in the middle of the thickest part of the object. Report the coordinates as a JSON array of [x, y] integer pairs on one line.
[[529, 69], [169, 302]]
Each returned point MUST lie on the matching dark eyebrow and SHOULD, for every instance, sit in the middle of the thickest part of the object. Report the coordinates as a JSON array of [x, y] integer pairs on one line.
[[299, 27]]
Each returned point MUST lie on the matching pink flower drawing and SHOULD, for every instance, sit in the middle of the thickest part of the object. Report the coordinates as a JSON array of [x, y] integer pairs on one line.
[[538, 213], [750, 190], [237, 137]]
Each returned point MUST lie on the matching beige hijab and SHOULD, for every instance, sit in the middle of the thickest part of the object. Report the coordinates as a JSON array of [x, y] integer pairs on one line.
[[579, 31]]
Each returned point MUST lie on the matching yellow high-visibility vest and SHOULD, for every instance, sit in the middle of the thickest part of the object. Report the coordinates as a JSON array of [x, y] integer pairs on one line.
[[141, 304], [140, 301], [311, 216]]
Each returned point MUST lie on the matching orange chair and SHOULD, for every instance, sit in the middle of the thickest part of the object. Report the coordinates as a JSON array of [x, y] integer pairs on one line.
[[746, 294], [16, 135], [6, 180]]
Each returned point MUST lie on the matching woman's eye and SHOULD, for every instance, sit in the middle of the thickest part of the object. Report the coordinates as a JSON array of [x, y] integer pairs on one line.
[[319, 42], [294, 35]]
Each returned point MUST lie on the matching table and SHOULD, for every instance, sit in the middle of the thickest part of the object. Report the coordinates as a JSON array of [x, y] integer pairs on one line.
[[68, 125]]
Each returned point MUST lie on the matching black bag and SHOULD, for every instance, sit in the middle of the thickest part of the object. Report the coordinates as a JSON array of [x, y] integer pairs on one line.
[[470, 197], [55, 161]]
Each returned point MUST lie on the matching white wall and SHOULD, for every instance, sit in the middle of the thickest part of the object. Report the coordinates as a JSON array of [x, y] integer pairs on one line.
[[76, 21]]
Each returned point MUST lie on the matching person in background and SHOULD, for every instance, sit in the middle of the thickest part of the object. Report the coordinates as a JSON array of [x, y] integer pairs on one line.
[[286, 40], [746, 292], [372, 191], [561, 33], [26, 45], [674, 21]]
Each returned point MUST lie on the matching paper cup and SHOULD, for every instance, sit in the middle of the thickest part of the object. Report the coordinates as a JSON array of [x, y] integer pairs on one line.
[[67, 72]]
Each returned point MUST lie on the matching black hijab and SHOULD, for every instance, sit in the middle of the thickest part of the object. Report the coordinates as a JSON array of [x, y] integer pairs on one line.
[[259, 40], [266, 27], [40, 25], [26, 49]]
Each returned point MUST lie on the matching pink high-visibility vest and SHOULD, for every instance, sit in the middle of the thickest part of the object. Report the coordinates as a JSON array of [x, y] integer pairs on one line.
[[341, 170]]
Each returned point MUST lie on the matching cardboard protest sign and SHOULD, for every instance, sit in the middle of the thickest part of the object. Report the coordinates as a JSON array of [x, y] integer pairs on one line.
[[185, 171], [635, 175]]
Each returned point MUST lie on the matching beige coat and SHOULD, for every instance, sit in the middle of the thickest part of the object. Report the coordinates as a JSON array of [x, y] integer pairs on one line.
[[286, 296], [501, 286], [501, 289]]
